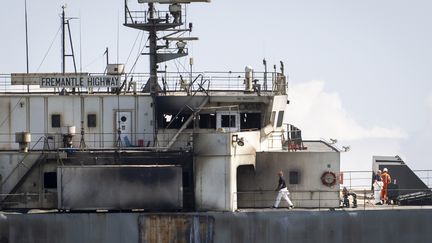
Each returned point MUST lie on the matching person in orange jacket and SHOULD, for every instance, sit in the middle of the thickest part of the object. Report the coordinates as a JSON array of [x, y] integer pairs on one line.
[[386, 179]]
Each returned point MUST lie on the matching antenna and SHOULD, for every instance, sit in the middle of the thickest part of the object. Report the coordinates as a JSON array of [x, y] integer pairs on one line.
[[80, 44], [265, 73], [26, 35], [65, 24]]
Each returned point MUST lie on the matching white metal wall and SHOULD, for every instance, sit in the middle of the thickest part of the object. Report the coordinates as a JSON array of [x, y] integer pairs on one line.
[[33, 113]]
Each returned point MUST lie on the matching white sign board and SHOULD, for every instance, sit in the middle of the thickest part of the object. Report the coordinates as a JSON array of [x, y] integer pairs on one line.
[[79, 81], [55, 80]]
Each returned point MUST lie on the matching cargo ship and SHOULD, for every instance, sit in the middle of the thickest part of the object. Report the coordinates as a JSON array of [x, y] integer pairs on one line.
[[166, 156]]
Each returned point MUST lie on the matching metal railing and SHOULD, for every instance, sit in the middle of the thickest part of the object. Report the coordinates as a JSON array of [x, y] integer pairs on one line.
[[143, 17], [303, 199], [321, 199], [363, 179], [54, 140], [98, 140], [267, 83], [316, 199]]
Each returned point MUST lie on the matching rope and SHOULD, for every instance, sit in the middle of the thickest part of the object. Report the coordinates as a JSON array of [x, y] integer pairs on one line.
[[133, 46], [49, 49], [137, 58]]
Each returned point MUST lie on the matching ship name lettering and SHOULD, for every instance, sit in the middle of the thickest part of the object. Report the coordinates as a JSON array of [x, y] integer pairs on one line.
[[80, 81]]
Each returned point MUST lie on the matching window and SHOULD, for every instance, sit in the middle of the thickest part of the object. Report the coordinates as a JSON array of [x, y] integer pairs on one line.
[[50, 180], [280, 119], [250, 121], [228, 121], [272, 118], [174, 121], [294, 177], [207, 121], [91, 120], [55, 120]]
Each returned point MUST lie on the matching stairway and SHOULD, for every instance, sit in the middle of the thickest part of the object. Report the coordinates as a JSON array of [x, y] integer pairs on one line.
[[13, 181]]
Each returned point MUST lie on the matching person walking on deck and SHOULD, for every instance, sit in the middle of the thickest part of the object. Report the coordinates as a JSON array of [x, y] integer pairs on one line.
[[282, 192]]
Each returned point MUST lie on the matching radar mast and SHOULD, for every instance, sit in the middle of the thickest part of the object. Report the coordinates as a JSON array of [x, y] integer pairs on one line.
[[153, 21]]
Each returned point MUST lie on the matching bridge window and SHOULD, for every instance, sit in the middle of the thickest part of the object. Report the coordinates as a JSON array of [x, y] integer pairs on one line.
[[174, 121], [228, 121], [55, 120], [280, 119], [91, 120], [207, 121], [250, 121], [272, 118]]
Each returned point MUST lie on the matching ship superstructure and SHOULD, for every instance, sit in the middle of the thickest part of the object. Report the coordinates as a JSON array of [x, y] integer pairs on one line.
[[159, 140]]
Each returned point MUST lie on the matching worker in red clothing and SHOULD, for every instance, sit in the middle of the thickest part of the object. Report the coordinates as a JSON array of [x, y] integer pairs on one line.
[[386, 179]]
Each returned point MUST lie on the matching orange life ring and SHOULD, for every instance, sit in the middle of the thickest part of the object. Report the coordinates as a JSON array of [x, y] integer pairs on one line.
[[328, 178]]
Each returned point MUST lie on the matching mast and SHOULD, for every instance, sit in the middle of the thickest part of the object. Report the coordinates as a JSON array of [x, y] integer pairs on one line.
[[154, 22], [152, 50], [65, 24], [63, 40]]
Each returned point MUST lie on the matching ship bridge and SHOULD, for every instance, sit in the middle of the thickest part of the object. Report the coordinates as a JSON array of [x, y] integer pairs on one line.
[[70, 136], [171, 83]]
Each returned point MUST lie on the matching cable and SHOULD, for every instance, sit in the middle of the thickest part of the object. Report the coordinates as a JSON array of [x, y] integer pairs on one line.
[[13, 109], [137, 58], [184, 68], [49, 49], [133, 46], [93, 61]]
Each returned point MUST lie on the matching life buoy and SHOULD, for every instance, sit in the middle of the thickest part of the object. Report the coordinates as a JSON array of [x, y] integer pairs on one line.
[[328, 178]]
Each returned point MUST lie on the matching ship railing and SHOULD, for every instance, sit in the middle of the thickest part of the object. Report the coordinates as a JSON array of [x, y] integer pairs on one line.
[[365, 198], [283, 140], [269, 83], [355, 180], [134, 17], [53, 141], [276, 141], [91, 140], [263, 199], [313, 199], [142, 17], [360, 199]]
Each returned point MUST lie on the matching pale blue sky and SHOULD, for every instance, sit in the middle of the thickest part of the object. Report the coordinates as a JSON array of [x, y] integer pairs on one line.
[[372, 58]]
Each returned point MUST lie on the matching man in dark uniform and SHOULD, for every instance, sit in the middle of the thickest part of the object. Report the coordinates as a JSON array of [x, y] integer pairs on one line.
[[282, 192]]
